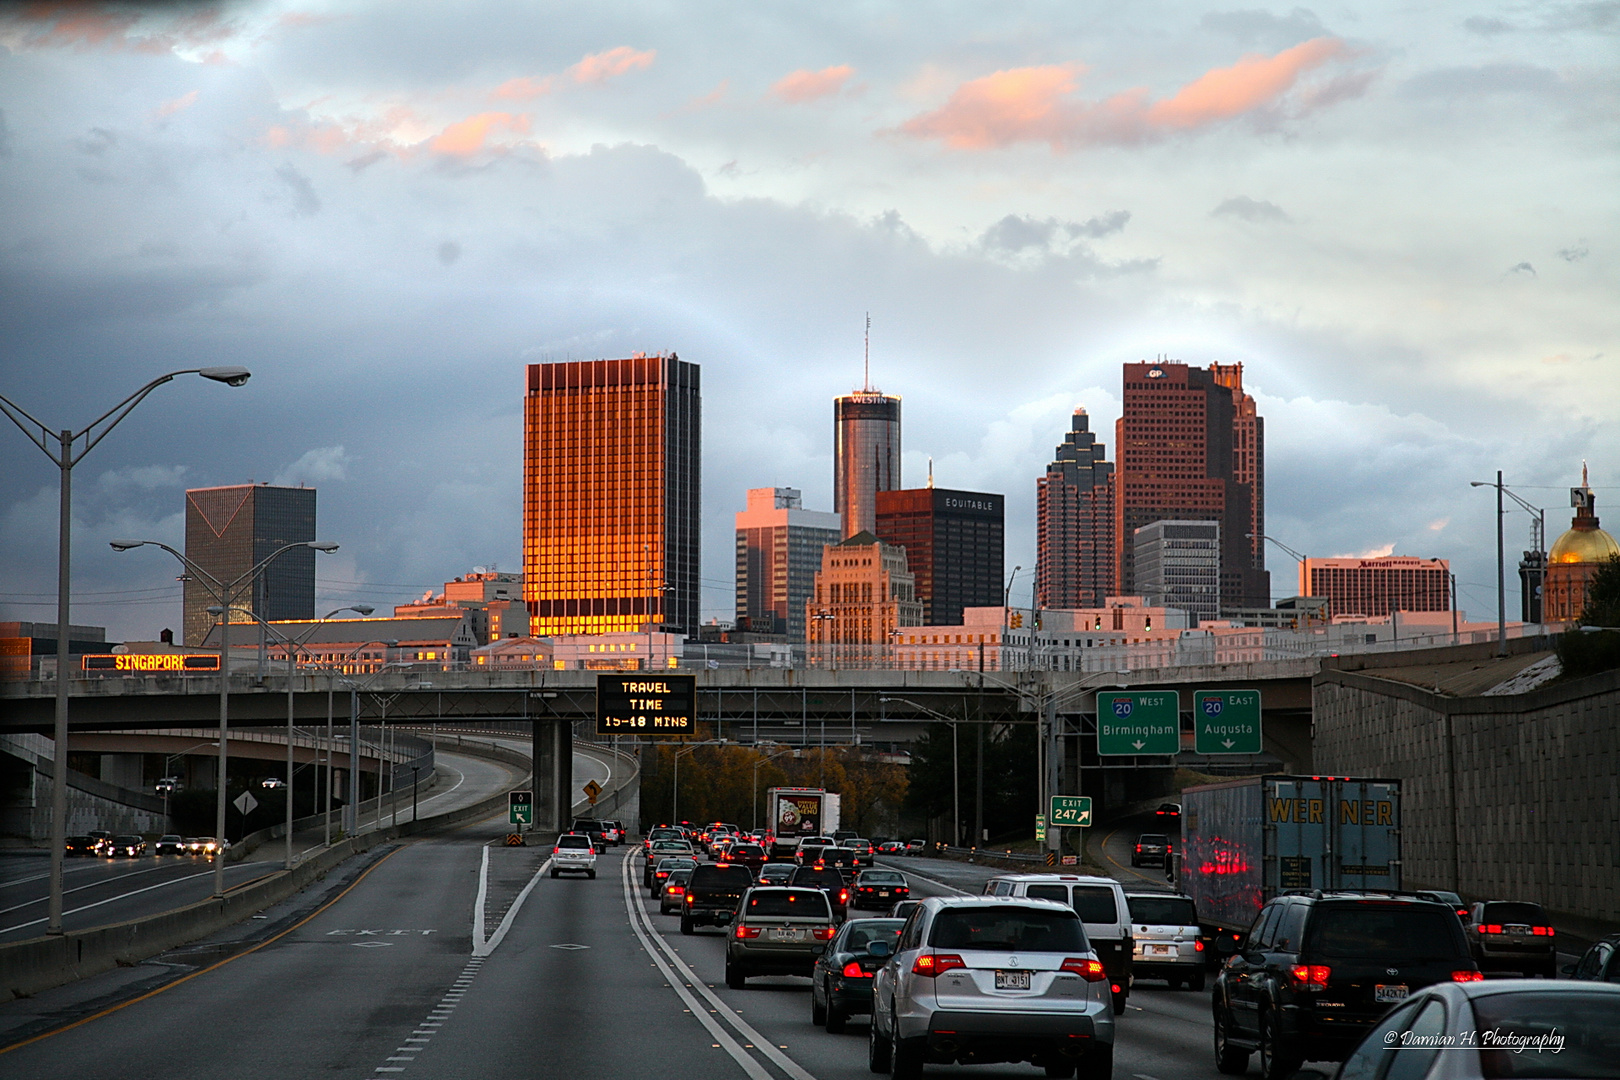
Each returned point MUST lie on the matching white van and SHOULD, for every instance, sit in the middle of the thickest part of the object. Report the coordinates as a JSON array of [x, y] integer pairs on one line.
[[1100, 903]]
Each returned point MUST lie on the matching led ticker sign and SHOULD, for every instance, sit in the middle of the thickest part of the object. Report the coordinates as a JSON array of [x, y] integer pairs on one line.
[[646, 704], [151, 663]]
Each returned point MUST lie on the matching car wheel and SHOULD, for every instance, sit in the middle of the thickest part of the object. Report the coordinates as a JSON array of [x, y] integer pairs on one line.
[[1097, 1065], [1172, 982], [1277, 1059], [1195, 982], [735, 977], [878, 1048], [906, 1059], [1062, 1070], [835, 1018], [1119, 1003], [686, 924], [591, 874], [553, 871], [818, 1011], [1229, 1060]]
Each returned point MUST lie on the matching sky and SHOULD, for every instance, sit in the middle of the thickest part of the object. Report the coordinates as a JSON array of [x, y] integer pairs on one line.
[[1401, 219]]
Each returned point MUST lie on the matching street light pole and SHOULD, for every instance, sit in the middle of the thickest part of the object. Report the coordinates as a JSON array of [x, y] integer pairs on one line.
[[64, 458], [956, 774]]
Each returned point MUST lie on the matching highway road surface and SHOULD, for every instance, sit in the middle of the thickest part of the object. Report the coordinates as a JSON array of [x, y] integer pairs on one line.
[[103, 891], [451, 957]]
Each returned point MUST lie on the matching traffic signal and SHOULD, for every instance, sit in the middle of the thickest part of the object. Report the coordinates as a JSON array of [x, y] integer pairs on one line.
[[1017, 620]]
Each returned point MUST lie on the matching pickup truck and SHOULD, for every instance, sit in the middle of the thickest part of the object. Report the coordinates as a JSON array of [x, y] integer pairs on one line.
[[712, 895]]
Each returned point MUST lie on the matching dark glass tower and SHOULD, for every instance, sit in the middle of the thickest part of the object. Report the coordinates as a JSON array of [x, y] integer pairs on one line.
[[611, 490], [229, 530], [953, 542], [1074, 523]]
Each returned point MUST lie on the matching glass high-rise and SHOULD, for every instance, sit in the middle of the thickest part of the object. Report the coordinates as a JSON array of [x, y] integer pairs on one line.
[[779, 546], [229, 530], [953, 542], [611, 492], [866, 455]]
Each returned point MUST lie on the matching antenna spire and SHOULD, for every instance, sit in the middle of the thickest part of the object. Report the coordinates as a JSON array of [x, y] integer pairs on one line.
[[930, 471], [866, 381]]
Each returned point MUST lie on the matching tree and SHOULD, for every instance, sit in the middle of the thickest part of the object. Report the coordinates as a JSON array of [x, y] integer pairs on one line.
[[1603, 596], [1588, 652]]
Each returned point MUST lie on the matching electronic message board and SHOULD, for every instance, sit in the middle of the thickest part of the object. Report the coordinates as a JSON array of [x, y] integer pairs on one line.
[[150, 663], [646, 704]]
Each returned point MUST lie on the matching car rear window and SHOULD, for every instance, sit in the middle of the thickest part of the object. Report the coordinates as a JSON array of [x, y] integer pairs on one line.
[[722, 878], [818, 879], [1588, 1023], [866, 931], [1504, 911], [1409, 932], [881, 878], [803, 903], [1153, 838], [681, 876], [1162, 910], [1009, 928], [574, 841], [1095, 903], [748, 849]]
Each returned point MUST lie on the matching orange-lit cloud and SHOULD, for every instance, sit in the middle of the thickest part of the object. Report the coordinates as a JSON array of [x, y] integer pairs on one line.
[[1036, 104], [179, 104], [524, 88], [805, 85], [86, 26], [599, 67], [467, 137]]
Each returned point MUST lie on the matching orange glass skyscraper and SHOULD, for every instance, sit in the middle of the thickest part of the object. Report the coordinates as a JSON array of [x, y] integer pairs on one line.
[[611, 486]]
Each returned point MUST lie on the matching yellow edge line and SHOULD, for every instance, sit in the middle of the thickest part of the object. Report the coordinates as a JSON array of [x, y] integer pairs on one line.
[[1128, 869], [206, 970]]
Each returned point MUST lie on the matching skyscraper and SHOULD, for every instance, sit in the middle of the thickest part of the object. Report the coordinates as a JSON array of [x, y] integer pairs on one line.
[[866, 437], [229, 530], [953, 542], [1191, 447], [611, 474], [1074, 523], [779, 547], [1178, 565], [1378, 586], [863, 593]]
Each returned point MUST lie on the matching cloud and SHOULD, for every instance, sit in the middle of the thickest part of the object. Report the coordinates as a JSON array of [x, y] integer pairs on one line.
[[85, 27], [321, 465], [467, 137], [524, 88], [5, 136], [1014, 233], [1523, 268], [179, 104], [142, 478], [305, 202], [1438, 524], [602, 66], [1602, 17], [1381, 552], [1035, 104], [1487, 25], [1254, 210], [449, 252], [1573, 254], [1487, 79], [805, 85], [1262, 28]]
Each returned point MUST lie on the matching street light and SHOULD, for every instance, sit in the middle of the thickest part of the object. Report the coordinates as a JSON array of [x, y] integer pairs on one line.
[[1006, 598], [956, 776], [223, 593], [1540, 530], [165, 784], [351, 809], [64, 457]]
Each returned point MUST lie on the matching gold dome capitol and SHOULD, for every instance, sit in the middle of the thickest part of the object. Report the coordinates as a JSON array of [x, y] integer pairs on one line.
[[1584, 542]]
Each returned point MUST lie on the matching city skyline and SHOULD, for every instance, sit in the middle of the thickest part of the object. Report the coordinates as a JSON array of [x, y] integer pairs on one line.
[[1401, 232]]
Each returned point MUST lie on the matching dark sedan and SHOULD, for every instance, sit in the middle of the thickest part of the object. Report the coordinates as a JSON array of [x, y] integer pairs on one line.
[[1600, 962], [80, 845], [841, 984], [879, 889], [169, 844], [127, 844]]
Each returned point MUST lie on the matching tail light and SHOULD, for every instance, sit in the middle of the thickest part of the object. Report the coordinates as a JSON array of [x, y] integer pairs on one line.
[[1198, 946], [1490, 928], [1467, 976], [1312, 977], [843, 896], [932, 964], [1139, 849], [676, 890], [688, 898], [853, 970], [823, 933], [1115, 987], [556, 851], [747, 932], [1089, 970], [1542, 931]]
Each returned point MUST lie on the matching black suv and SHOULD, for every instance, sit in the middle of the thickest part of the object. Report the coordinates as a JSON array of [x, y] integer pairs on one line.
[[830, 881], [597, 830], [712, 895], [1513, 936], [1317, 970]]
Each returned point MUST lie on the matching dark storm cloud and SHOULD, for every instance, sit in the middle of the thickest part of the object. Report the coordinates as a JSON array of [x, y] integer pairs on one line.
[[1247, 209]]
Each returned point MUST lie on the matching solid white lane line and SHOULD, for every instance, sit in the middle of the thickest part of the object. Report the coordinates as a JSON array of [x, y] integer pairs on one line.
[[766, 1047], [112, 899], [80, 888], [484, 948], [737, 1052], [478, 901]]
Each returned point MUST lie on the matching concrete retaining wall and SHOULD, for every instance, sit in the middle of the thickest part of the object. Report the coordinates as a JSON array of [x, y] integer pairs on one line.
[[28, 967], [1506, 797]]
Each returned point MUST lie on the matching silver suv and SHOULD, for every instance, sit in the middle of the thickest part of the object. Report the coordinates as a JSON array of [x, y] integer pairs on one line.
[[980, 980], [1167, 940]]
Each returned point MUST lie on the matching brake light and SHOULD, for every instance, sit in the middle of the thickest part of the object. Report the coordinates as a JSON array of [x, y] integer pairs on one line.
[[556, 851], [931, 964], [1139, 849], [1198, 946], [1089, 970], [1115, 987], [747, 932], [1312, 977], [1490, 928], [1542, 931], [688, 898], [823, 933], [852, 970], [676, 890], [843, 896], [1467, 976]]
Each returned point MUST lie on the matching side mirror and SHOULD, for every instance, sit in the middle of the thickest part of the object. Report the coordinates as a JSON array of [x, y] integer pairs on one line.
[[1226, 945], [879, 949], [1568, 969]]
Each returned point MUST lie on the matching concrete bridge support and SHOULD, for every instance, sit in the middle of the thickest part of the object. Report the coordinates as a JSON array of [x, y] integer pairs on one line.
[[553, 774]]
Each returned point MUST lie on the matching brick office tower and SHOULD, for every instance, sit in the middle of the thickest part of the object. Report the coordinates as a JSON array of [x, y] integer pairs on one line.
[[953, 542], [1191, 447], [1074, 523], [230, 530], [611, 470]]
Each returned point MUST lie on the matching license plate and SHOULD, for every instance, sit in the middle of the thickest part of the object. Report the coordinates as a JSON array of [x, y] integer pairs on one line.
[[1158, 950], [1518, 931], [1012, 980], [884, 892], [1383, 993], [787, 935]]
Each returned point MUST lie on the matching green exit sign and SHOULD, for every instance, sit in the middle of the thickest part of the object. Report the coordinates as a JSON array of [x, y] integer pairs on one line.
[[1226, 721], [1139, 722], [1072, 810], [520, 807]]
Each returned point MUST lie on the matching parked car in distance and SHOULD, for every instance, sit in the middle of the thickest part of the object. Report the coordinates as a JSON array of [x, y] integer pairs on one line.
[[776, 873], [879, 889], [1513, 935], [841, 982], [1317, 970], [777, 931], [673, 891], [666, 867], [124, 844], [1166, 939], [80, 845], [830, 881], [169, 844], [1599, 963], [574, 853], [986, 979], [1520, 1018], [1152, 849], [892, 847]]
